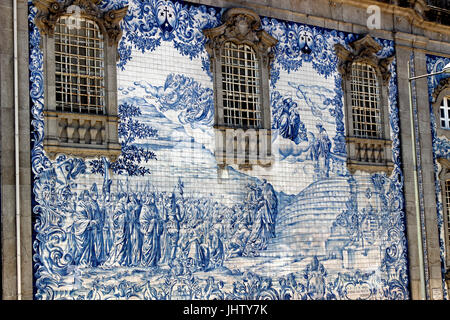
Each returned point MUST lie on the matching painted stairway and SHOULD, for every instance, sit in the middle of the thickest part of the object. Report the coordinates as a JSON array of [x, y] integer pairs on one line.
[[304, 224]]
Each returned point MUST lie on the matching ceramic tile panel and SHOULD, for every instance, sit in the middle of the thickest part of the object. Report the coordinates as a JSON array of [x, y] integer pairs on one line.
[[165, 222]]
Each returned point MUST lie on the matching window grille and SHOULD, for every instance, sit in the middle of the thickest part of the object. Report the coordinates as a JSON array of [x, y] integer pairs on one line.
[[365, 97], [447, 201], [79, 62], [445, 113], [240, 84]]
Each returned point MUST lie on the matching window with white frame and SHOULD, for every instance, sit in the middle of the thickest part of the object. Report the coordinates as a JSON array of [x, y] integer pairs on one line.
[[444, 112]]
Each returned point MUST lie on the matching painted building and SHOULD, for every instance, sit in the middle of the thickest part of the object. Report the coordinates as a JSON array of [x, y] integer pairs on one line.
[[224, 150]]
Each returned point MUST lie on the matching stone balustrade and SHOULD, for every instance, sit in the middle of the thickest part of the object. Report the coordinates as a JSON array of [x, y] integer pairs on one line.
[[81, 135], [370, 155]]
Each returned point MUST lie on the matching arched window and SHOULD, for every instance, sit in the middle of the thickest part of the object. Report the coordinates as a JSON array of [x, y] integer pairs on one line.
[[79, 66], [241, 53], [444, 112], [366, 104], [240, 86], [79, 43], [440, 103], [365, 95]]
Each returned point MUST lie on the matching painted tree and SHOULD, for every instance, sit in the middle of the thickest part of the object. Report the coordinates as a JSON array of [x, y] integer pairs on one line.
[[132, 156]]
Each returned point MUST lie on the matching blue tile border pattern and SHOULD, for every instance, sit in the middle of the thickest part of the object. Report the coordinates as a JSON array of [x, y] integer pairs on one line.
[[157, 226]]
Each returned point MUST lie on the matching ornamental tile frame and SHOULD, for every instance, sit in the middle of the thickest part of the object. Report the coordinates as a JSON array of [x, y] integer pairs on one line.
[[305, 228]]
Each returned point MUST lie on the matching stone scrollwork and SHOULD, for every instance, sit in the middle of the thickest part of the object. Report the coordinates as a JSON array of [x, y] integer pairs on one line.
[[243, 26], [50, 10]]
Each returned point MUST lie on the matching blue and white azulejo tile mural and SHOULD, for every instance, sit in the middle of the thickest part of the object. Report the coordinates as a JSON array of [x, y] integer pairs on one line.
[[164, 223]]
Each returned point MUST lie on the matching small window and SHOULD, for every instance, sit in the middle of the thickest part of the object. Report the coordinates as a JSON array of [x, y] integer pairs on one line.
[[365, 101], [79, 67], [445, 113], [240, 78], [447, 207]]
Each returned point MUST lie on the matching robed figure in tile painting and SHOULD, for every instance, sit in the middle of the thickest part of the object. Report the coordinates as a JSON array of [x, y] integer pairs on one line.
[[151, 228]]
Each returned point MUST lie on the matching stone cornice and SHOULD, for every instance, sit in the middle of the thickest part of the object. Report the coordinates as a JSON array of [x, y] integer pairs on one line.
[[408, 13], [415, 18]]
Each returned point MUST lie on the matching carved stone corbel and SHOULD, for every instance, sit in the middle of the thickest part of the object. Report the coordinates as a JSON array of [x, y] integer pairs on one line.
[[445, 168], [419, 6]]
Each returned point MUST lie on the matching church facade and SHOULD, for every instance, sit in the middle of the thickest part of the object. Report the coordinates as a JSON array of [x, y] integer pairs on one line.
[[225, 150]]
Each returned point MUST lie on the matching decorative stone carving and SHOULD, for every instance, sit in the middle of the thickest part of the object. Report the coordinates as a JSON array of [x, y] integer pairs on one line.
[[443, 84], [242, 26], [365, 50], [370, 155], [445, 167], [420, 6], [50, 10], [79, 135]]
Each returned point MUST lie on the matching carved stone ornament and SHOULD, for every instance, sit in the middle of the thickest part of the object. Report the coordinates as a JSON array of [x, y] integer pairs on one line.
[[50, 10], [444, 83], [241, 26], [420, 6], [445, 167], [364, 50]]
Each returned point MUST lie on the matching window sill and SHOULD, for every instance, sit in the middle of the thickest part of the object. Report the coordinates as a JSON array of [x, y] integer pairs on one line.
[[369, 155], [81, 135]]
